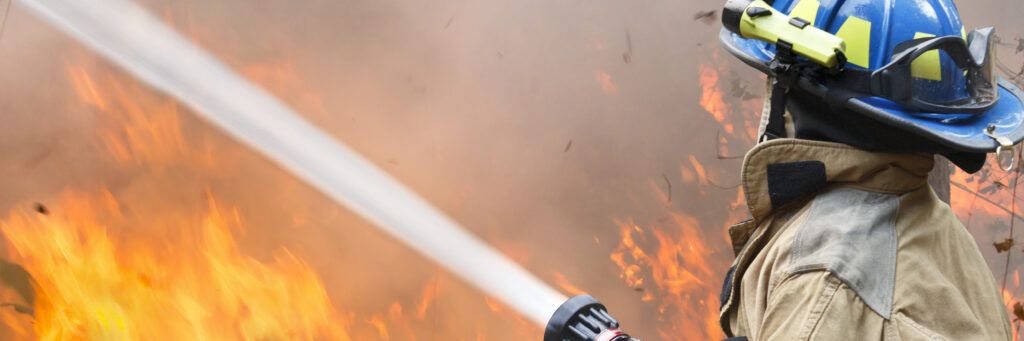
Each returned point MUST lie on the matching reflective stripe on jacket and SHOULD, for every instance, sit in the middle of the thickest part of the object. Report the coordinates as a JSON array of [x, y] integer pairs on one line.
[[846, 244]]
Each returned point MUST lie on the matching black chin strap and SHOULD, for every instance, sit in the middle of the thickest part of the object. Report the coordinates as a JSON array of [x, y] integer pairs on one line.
[[776, 127], [782, 67]]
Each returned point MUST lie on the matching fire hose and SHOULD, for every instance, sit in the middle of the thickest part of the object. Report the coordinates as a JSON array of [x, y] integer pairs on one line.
[[141, 44]]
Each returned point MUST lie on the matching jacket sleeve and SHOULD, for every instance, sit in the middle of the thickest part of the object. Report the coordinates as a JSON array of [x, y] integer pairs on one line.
[[818, 306]]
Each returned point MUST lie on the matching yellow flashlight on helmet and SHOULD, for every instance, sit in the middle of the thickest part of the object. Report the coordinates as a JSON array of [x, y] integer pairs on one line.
[[756, 19]]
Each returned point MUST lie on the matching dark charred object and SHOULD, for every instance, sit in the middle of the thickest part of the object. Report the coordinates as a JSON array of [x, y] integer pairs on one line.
[[583, 318], [41, 209], [707, 17]]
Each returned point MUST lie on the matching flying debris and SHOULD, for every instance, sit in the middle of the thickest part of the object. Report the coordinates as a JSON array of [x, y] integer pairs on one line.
[[706, 17], [668, 191], [41, 209], [1012, 74], [1004, 245], [628, 55], [1019, 47]]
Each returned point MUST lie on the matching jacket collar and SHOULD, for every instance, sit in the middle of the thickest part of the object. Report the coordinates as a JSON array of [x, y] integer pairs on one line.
[[786, 168]]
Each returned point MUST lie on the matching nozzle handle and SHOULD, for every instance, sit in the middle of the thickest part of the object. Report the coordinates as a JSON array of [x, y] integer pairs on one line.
[[583, 318]]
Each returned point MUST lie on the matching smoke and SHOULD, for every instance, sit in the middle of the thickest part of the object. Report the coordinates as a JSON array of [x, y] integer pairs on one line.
[[473, 104]]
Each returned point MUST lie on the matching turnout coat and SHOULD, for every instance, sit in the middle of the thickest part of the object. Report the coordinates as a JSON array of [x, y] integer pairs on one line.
[[846, 244]]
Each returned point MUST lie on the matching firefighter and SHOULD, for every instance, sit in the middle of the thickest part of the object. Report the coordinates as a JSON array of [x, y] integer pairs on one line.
[[847, 241]]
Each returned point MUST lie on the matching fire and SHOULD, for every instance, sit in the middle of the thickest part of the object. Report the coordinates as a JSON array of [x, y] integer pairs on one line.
[[427, 297], [381, 326], [682, 281], [631, 270], [605, 80], [1013, 306], [145, 257], [675, 264], [91, 284], [983, 202], [521, 328], [712, 99], [147, 129], [733, 103], [567, 286], [966, 203], [702, 175], [85, 87], [101, 271]]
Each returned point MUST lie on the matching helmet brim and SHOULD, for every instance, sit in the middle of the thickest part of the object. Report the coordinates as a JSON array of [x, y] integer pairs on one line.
[[963, 132]]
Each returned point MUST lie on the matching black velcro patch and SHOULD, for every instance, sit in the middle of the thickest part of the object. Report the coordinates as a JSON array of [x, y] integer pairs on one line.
[[791, 180]]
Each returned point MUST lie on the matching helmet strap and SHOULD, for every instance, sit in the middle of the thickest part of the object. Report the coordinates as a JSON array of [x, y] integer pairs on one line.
[[775, 128], [785, 74]]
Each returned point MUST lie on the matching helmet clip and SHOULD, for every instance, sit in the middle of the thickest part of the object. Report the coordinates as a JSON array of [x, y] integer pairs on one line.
[[1005, 152]]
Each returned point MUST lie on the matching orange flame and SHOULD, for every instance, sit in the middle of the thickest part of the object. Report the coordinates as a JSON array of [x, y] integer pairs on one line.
[[148, 129], [567, 286], [682, 277], [104, 270], [522, 329], [427, 297], [712, 99], [91, 285], [187, 281], [605, 80]]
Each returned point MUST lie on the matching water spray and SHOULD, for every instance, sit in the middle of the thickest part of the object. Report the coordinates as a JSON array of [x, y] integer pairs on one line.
[[133, 39]]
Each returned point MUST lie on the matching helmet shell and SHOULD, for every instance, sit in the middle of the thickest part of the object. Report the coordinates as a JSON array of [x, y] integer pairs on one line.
[[872, 29]]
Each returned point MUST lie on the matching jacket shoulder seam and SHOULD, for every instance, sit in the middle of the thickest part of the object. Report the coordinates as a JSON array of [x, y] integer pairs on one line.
[[824, 298], [851, 234]]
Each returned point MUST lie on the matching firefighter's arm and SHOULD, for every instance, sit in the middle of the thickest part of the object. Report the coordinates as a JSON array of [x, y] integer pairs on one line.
[[818, 306]]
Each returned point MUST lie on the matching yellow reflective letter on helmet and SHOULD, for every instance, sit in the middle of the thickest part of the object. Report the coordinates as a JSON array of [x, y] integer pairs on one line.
[[807, 10], [928, 65], [856, 32]]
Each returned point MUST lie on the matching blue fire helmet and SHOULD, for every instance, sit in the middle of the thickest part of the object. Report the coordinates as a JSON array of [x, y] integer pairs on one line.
[[877, 33]]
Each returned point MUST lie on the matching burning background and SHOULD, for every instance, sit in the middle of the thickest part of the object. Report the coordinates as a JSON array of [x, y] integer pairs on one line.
[[597, 144]]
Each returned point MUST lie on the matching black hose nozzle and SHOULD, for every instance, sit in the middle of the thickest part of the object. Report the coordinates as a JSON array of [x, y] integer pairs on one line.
[[583, 318]]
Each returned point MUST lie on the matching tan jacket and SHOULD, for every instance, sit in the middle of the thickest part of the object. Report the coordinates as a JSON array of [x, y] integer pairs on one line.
[[850, 245]]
